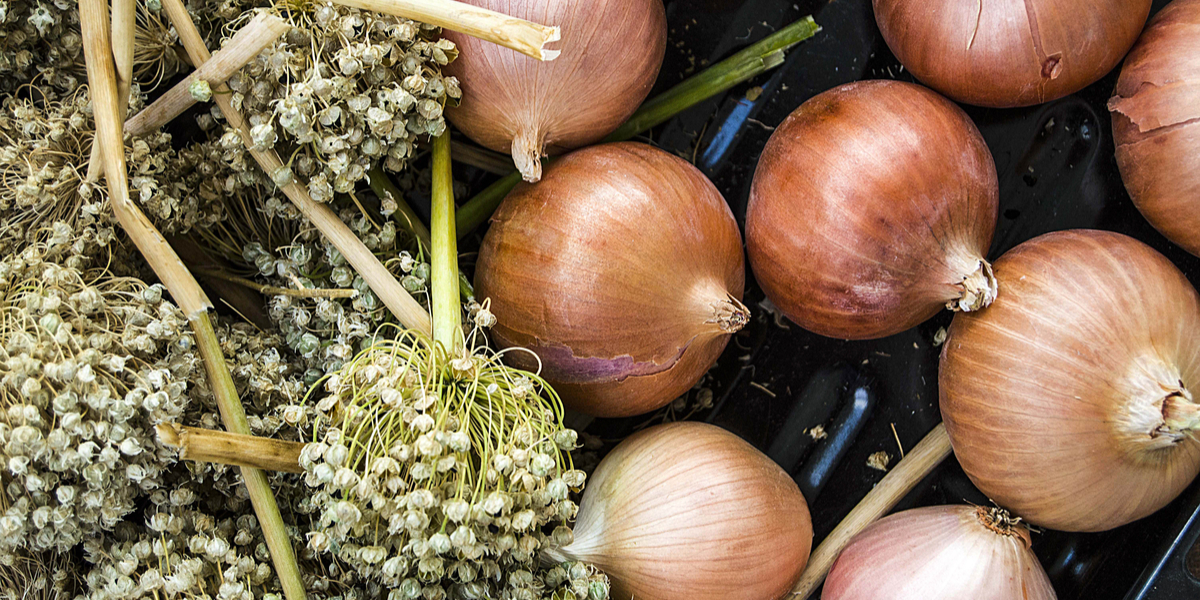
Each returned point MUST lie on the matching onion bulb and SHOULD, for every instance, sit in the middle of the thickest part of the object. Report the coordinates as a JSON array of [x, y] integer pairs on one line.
[[611, 52], [622, 270], [689, 511], [1156, 123], [940, 553], [871, 209], [1068, 400], [1013, 52]]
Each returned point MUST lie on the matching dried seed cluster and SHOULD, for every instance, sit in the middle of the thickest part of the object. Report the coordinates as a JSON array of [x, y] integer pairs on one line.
[[342, 91], [443, 476], [89, 364]]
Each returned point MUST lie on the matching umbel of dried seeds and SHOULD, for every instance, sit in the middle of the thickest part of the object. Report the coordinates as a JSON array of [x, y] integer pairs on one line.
[[443, 476]]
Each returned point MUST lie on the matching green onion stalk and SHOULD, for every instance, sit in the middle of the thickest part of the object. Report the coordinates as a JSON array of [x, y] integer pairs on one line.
[[438, 470], [750, 62]]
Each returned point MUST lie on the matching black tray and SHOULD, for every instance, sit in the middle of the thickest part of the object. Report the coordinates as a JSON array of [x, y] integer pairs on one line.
[[1057, 171]]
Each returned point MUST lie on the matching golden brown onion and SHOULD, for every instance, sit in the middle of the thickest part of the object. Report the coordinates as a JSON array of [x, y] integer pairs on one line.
[[1068, 400], [689, 511], [1156, 123], [940, 553], [611, 52], [1012, 52], [872, 208], [622, 269]]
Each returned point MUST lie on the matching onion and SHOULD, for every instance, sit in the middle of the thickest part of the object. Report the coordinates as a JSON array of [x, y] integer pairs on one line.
[[1067, 401], [611, 53], [940, 553], [690, 511], [622, 270], [872, 207], [1013, 52], [1156, 123]]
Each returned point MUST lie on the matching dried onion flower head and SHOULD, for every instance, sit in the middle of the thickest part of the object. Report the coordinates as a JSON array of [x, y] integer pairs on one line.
[[44, 153], [89, 363], [342, 91], [49, 576], [40, 41], [441, 475]]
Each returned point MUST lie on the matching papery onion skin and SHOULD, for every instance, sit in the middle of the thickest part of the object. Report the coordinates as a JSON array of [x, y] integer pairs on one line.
[[622, 269], [872, 206], [939, 553], [611, 52], [1067, 401], [689, 511], [1156, 123], [1013, 52]]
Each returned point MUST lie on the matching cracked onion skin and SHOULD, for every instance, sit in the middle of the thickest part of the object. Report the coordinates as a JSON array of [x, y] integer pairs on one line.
[[1069, 400], [872, 207], [940, 553], [1156, 123], [611, 52], [689, 511], [622, 270], [1011, 52]]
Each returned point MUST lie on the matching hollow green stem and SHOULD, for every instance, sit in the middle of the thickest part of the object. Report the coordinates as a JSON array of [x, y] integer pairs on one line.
[[743, 66], [382, 185], [233, 415], [746, 64], [444, 301]]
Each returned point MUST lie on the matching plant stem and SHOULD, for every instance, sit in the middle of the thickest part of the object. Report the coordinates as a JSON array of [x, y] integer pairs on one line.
[[124, 22], [407, 310], [444, 300], [510, 32], [245, 45], [480, 207], [745, 65], [102, 84], [919, 462], [383, 187], [748, 63], [207, 445], [233, 415]]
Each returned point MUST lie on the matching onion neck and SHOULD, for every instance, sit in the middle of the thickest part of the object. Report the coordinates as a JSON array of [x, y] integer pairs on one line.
[[1181, 414], [729, 315], [1158, 412], [527, 154], [1000, 522], [978, 288]]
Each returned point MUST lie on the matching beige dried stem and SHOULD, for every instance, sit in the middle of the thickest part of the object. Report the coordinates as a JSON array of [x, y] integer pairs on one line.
[[102, 83], [124, 24], [207, 445], [407, 310], [523, 36], [919, 462], [259, 33]]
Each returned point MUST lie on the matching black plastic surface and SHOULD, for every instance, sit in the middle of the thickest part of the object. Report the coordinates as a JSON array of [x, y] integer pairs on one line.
[[775, 381]]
